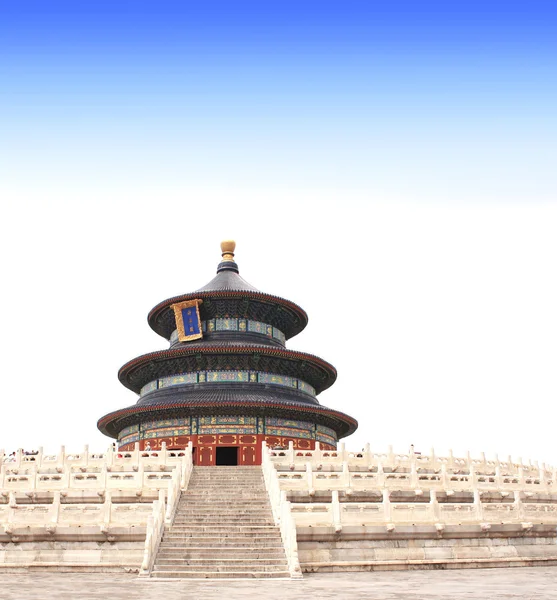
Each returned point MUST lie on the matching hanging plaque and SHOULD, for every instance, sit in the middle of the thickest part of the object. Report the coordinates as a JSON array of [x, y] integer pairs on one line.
[[188, 322]]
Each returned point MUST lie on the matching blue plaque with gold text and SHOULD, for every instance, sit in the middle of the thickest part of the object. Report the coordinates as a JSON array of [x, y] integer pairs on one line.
[[188, 322]]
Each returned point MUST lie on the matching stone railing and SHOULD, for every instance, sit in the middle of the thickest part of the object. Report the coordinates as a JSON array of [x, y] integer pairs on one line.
[[391, 514], [512, 492], [341, 470], [179, 482], [31, 480], [160, 516], [105, 514], [351, 481], [367, 459], [282, 514], [155, 530], [111, 458]]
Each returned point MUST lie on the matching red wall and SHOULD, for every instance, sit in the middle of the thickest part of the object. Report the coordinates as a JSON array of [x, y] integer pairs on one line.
[[249, 446]]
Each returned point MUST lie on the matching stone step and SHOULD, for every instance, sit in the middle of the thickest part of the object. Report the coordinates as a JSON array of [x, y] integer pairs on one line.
[[221, 538], [232, 552], [219, 529], [223, 528], [207, 508], [245, 566], [216, 575], [221, 562], [224, 515], [227, 473], [216, 522], [197, 481], [220, 494], [233, 519], [220, 542], [236, 485], [232, 484], [229, 508], [225, 522], [223, 501]]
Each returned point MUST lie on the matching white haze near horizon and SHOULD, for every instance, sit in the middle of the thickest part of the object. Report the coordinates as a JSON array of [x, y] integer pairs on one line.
[[440, 317]]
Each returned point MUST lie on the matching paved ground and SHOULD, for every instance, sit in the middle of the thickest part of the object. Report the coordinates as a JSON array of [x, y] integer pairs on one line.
[[476, 584]]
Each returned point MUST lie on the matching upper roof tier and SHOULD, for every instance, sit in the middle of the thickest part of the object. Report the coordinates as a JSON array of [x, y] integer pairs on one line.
[[229, 295]]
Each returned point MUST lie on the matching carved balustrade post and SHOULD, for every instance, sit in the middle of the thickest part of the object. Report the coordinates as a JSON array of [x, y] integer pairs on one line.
[[521, 475], [469, 463], [309, 477], [85, 457], [337, 523], [413, 475], [434, 505], [39, 458], [107, 507], [135, 454], [291, 452], [518, 505], [498, 477], [390, 456], [12, 507], [61, 458], [451, 459], [67, 476], [478, 505], [317, 453], [387, 512], [56, 502], [510, 465], [445, 481], [103, 476], [472, 479], [368, 458], [341, 451], [109, 458], [380, 474], [541, 474], [141, 475], [346, 477], [163, 454]]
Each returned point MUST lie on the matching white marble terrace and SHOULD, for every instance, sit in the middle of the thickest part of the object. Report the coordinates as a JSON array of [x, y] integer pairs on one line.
[[99, 500], [339, 488]]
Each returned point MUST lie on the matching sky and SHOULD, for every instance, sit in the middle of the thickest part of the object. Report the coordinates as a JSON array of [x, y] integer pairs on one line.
[[394, 158]]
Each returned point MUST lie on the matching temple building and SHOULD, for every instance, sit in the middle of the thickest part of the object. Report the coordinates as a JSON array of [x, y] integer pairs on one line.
[[227, 381]]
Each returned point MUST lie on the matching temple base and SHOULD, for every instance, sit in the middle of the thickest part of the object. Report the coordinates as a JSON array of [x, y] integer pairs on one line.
[[226, 449]]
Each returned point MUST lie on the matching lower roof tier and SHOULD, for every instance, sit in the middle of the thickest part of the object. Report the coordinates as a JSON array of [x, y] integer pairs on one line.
[[223, 400], [227, 357]]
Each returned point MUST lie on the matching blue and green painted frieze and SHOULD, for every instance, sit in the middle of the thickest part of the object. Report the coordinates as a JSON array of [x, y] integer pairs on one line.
[[228, 377], [237, 324], [233, 424]]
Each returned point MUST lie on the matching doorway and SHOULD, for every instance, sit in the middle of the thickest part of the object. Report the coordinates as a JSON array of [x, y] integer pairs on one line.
[[227, 456]]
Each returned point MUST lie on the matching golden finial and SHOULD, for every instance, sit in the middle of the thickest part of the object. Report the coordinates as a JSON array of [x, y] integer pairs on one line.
[[227, 247]]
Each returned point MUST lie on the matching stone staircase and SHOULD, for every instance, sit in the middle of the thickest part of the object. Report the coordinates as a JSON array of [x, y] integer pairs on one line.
[[223, 528]]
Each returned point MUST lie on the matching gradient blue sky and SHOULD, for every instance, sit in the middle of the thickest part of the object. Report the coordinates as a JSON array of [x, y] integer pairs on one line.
[[417, 98], [404, 153]]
